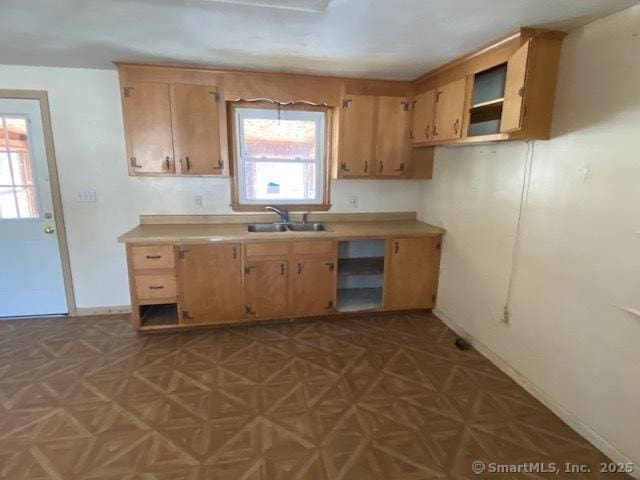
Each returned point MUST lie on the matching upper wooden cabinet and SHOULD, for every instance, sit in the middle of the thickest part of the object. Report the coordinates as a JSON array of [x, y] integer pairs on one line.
[[196, 129], [172, 129], [422, 112], [392, 137], [449, 110], [356, 136], [147, 119], [502, 92], [373, 139]]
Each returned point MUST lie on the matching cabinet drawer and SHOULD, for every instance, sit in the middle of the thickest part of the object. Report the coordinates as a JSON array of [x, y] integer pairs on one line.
[[157, 256], [266, 249], [313, 247], [155, 286]]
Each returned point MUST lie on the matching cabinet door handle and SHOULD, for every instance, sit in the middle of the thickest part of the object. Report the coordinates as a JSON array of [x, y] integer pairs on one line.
[[331, 266], [282, 269], [456, 125], [159, 287], [299, 268], [185, 314], [188, 163], [435, 131], [235, 252], [381, 166], [167, 163], [154, 257], [248, 310], [411, 134], [366, 166], [426, 131], [396, 248]]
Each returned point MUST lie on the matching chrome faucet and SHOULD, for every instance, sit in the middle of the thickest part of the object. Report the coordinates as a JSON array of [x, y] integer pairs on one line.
[[284, 215]]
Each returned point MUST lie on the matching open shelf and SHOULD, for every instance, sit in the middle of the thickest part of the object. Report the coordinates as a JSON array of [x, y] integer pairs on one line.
[[361, 266], [487, 101], [159, 314], [357, 299]]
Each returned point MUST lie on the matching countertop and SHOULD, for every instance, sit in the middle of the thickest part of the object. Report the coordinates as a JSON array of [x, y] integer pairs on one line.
[[191, 232]]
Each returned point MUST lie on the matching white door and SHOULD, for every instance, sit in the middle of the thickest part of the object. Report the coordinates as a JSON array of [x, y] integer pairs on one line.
[[31, 281]]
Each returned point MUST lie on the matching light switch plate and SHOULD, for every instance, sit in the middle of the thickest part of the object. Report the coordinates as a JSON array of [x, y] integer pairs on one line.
[[87, 195]]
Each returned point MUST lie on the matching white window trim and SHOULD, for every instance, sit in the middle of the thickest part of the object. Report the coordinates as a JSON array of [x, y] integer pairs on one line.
[[317, 116]]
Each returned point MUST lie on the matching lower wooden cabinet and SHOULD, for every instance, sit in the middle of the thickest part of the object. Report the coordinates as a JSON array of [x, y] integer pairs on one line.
[[210, 283], [412, 266], [313, 286], [266, 288], [184, 285]]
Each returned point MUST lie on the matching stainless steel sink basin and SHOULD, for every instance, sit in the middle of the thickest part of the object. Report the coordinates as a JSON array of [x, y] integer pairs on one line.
[[306, 227], [267, 227], [285, 227]]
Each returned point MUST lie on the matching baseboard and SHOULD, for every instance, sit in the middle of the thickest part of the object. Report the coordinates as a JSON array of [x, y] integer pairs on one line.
[[85, 312], [593, 437]]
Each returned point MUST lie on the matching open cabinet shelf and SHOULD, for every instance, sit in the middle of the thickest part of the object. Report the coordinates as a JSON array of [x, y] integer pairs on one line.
[[360, 274], [361, 266], [357, 299], [161, 314]]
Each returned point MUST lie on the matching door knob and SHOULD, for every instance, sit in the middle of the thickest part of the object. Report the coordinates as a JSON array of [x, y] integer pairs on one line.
[[49, 230]]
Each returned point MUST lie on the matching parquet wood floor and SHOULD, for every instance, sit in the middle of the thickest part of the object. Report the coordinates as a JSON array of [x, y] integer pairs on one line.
[[384, 397]]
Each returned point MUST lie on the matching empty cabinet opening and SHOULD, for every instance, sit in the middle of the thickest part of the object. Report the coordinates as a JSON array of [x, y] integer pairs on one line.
[[360, 274], [487, 101], [160, 314]]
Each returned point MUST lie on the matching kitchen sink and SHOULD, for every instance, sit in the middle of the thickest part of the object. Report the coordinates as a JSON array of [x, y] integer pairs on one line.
[[306, 227], [285, 227], [267, 227]]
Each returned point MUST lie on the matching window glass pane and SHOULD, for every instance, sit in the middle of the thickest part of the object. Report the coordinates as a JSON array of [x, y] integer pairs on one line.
[[269, 181], [273, 138], [21, 168], [26, 198], [8, 208], [5, 173]]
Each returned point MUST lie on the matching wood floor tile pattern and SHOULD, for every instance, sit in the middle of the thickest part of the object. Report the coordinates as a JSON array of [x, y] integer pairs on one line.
[[385, 397]]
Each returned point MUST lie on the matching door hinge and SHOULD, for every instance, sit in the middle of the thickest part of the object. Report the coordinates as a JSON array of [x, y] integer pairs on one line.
[[345, 103], [127, 91], [182, 253], [185, 314], [248, 310], [331, 265], [405, 106]]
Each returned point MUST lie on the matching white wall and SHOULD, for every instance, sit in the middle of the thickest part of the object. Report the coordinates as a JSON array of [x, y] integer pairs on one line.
[[577, 260], [89, 143]]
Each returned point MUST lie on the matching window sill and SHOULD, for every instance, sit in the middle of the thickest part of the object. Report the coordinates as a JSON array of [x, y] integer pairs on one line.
[[314, 207]]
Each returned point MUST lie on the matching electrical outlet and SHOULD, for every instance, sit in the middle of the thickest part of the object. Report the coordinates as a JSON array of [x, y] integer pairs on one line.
[[198, 202], [87, 195], [352, 201]]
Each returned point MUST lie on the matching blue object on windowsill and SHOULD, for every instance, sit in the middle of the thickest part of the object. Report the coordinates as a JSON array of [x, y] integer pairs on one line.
[[273, 187]]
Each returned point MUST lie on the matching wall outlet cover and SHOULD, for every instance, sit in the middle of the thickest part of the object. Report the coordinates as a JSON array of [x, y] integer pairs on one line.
[[87, 195], [353, 201]]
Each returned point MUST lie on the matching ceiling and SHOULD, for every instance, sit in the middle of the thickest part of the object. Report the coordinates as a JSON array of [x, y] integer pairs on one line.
[[396, 39]]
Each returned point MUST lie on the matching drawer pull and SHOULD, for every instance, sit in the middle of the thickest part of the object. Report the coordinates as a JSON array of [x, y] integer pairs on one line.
[[160, 287], [154, 257]]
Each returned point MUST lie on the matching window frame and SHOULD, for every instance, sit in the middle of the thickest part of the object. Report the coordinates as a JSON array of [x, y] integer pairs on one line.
[[236, 176]]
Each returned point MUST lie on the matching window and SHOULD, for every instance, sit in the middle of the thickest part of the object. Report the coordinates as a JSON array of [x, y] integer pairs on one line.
[[17, 190], [280, 155]]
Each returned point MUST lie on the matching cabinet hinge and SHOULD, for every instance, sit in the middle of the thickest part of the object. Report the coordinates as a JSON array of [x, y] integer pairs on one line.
[[247, 270], [216, 95], [331, 265], [345, 103], [134, 163], [521, 91], [413, 104], [127, 91], [220, 164], [330, 304], [400, 168], [248, 310], [433, 297], [438, 96], [182, 253], [438, 245], [406, 105]]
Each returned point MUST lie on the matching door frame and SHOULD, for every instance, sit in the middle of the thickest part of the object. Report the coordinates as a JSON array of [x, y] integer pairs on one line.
[[52, 170]]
